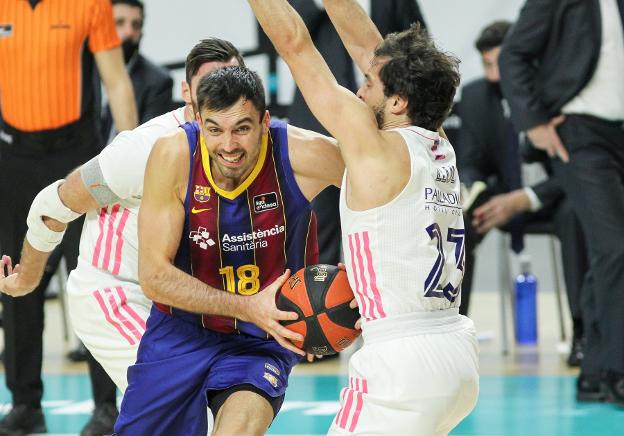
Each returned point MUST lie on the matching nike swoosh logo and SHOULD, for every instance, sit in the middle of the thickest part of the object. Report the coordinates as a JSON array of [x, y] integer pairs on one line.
[[199, 210]]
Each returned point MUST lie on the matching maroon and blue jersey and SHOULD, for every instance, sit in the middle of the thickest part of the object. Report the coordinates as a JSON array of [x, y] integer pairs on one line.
[[240, 241]]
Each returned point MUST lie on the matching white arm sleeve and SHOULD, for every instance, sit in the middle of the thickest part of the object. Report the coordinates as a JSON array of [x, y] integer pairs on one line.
[[536, 204], [123, 163]]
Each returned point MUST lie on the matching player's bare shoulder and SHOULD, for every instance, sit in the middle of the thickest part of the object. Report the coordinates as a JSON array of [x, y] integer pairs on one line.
[[171, 149], [298, 137], [315, 156]]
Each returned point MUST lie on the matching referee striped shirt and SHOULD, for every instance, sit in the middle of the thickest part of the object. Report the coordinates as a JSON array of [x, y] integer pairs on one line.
[[45, 70]]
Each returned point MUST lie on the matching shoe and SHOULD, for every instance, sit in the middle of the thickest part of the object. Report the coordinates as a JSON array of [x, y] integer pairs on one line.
[[21, 420], [576, 352], [102, 421], [78, 354], [589, 389], [613, 386]]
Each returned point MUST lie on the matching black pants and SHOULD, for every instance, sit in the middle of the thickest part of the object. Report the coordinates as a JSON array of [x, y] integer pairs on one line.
[[594, 184], [27, 165], [567, 228]]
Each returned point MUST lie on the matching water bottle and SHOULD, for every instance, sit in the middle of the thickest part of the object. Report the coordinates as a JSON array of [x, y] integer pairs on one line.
[[526, 313]]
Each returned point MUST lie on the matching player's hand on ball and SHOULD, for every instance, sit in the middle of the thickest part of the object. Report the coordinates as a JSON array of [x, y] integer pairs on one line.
[[11, 283], [358, 323], [264, 313], [311, 357]]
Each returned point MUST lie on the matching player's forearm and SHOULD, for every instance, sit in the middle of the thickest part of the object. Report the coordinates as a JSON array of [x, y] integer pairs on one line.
[[118, 88], [32, 264], [357, 31], [282, 25], [122, 104], [166, 284]]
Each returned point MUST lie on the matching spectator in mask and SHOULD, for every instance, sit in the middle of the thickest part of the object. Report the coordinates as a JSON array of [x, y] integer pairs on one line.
[[152, 84]]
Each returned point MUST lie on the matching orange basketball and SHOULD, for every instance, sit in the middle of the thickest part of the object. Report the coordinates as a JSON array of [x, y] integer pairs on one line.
[[320, 294]]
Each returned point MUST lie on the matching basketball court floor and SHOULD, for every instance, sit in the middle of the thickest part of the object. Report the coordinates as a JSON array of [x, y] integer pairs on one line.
[[528, 392]]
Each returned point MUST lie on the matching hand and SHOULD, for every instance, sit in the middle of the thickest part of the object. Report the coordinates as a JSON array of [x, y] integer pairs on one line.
[[11, 284], [545, 137], [310, 357], [499, 210], [262, 311]]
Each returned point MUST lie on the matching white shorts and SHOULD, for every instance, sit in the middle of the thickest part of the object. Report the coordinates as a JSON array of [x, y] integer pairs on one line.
[[410, 379], [109, 317]]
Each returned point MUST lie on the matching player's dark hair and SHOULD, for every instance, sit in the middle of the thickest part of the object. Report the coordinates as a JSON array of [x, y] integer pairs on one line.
[[210, 50], [420, 72], [133, 3], [222, 88], [493, 35]]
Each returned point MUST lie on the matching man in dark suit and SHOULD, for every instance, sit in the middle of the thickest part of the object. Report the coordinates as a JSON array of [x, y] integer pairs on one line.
[[389, 16], [152, 84], [488, 152], [561, 67]]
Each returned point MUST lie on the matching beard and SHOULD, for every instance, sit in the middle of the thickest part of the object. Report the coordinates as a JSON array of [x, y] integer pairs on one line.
[[379, 114]]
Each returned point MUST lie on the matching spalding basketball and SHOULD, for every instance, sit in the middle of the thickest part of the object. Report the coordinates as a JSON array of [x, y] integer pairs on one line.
[[320, 294]]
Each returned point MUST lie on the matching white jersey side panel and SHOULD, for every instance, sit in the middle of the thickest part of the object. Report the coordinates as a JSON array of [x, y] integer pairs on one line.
[[407, 255], [109, 240]]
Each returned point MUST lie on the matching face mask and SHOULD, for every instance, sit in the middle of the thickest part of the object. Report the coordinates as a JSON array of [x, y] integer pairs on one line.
[[129, 48]]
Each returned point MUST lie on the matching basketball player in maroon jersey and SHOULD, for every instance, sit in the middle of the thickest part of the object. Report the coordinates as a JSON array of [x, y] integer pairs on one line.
[[235, 220]]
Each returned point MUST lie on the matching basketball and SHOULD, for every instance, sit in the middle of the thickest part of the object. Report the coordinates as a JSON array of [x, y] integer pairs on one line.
[[320, 294]]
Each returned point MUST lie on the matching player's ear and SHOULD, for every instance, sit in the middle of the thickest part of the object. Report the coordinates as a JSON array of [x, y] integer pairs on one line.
[[186, 92], [266, 122], [398, 104]]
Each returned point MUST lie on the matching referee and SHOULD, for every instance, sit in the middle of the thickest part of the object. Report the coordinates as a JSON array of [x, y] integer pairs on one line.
[[49, 49]]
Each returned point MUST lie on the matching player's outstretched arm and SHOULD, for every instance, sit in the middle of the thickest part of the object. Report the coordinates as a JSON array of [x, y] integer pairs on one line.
[[161, 222], [346, 118], [22, 279], [357, 31], [65, 200]]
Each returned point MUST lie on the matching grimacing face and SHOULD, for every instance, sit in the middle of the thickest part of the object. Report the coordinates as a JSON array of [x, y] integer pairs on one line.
[[233, 138]]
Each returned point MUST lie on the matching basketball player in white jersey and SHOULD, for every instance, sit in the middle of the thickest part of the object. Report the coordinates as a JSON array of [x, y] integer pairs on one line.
[[403, 233], [107, 307]]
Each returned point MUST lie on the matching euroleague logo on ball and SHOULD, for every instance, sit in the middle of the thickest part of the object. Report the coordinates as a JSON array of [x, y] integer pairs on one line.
[[320, 273]]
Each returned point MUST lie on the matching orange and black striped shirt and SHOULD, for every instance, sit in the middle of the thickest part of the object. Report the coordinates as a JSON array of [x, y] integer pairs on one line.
[[45, 65]]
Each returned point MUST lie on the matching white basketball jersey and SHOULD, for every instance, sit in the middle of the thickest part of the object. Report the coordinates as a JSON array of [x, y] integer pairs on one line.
[[109, 240], [408, 255]]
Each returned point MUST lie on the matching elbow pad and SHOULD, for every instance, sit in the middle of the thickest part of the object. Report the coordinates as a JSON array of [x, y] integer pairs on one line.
[[47, 204]]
